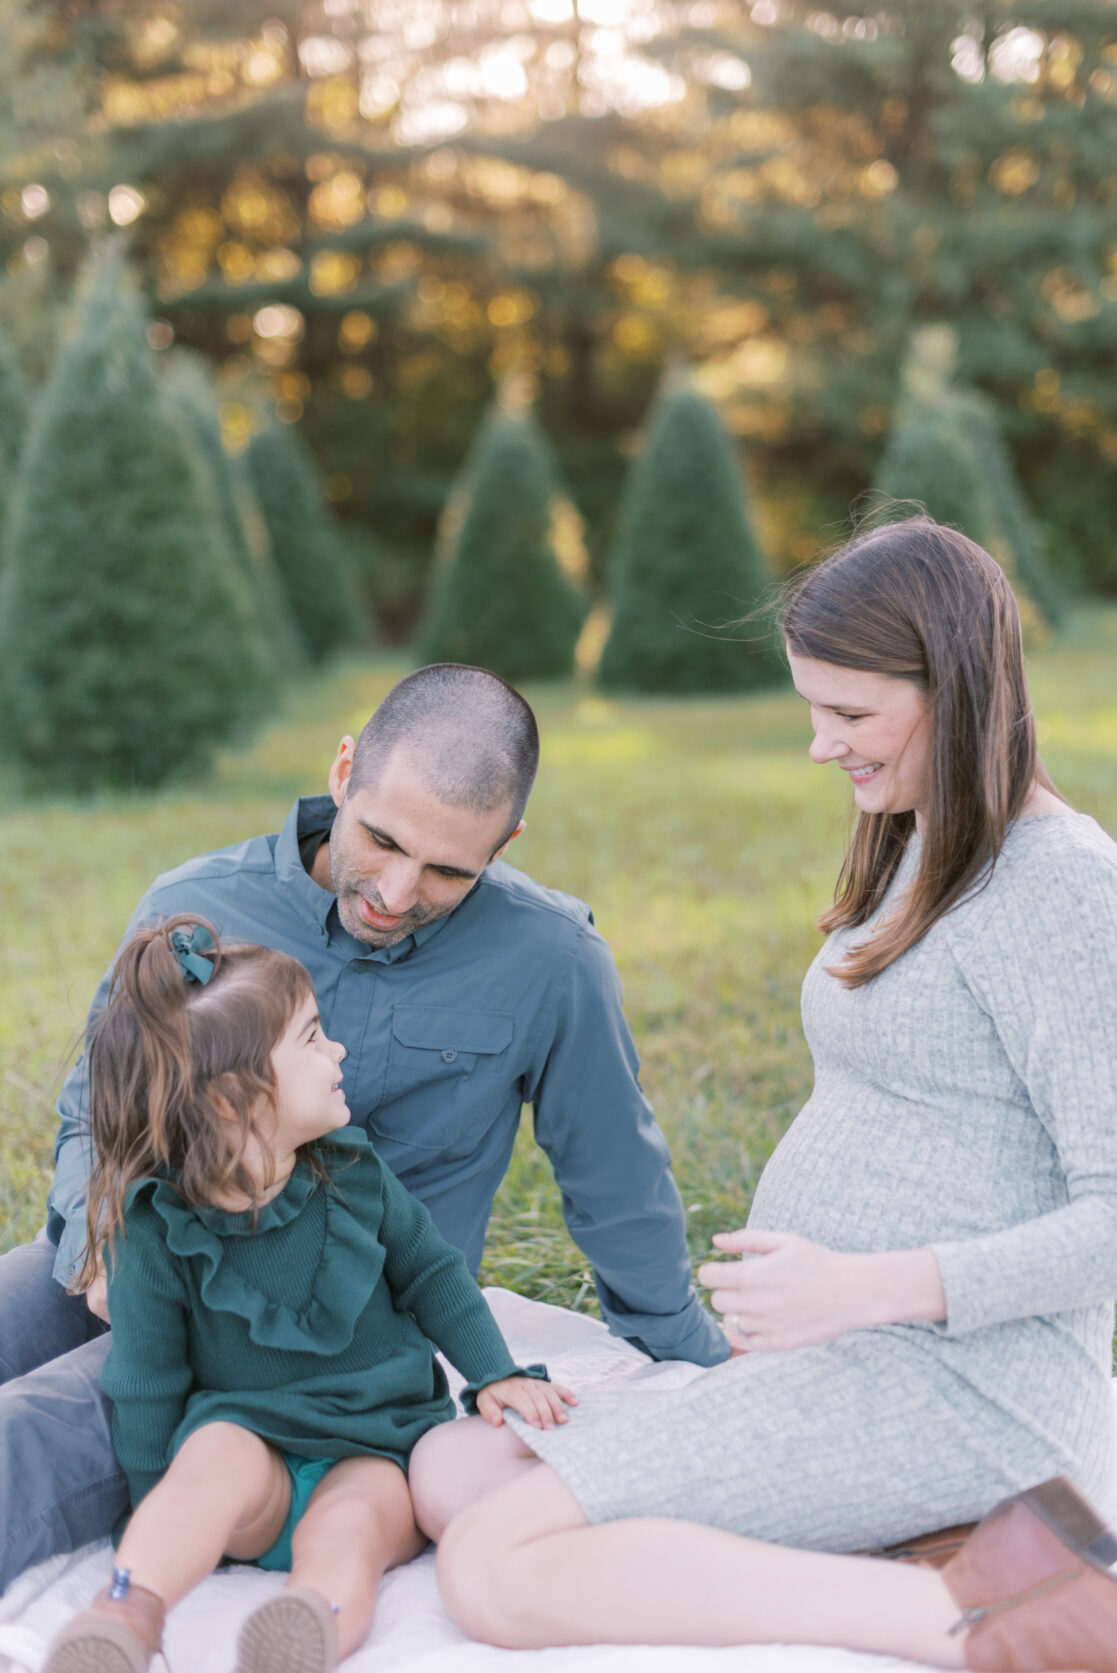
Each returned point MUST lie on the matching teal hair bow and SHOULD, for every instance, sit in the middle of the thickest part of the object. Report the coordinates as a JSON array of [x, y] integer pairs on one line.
[[194, 949]]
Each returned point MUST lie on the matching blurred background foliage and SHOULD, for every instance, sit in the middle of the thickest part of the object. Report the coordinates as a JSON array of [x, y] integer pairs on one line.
[[368, 213]]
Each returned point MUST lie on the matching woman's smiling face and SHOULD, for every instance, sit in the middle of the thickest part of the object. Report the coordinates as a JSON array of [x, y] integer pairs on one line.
[[875, 726]]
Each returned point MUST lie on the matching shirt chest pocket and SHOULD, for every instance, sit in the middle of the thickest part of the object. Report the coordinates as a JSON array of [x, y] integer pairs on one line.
[[445, 1071]]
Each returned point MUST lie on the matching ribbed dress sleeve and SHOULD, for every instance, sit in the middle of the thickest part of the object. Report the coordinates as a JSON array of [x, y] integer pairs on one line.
[[147, 1373], [430, 1280], [1040, 957]]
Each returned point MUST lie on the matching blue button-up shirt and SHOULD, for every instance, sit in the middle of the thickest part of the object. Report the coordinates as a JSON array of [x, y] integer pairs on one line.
[[512, 998]]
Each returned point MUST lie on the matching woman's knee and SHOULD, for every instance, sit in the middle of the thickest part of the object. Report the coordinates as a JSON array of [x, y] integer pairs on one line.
[[487, 1554], [457, 1463], [431, 1476], [474, 1582]]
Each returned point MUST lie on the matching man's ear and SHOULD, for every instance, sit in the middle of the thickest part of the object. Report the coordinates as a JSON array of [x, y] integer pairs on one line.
[[511, 837], [342, 769]]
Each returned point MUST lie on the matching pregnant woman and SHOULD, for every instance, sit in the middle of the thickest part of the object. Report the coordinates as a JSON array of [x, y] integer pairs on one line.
[[923, 1313]]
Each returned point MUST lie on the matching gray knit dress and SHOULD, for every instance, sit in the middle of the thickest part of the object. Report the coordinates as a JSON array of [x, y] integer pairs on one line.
[[966, 1099]]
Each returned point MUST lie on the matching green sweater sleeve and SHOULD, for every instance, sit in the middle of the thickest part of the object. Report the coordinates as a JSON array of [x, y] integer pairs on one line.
[[429, 1278], [147, 1373]]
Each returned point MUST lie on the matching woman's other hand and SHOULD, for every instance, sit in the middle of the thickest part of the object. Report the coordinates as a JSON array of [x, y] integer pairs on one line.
[[538, 1403], [795, 1293]]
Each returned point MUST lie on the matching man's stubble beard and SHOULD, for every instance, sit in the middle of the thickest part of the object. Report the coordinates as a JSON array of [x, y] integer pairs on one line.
[[349, 892], [355, 925]]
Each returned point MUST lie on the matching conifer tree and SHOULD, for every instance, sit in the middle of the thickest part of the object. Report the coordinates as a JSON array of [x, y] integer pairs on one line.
[[127, 645], [310, 558], [15, 402], [501, 600], [190, 386], [946, 451], [685, 561]]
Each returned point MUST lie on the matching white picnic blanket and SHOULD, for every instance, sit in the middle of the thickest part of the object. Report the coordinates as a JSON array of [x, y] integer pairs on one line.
[[411, 1632]]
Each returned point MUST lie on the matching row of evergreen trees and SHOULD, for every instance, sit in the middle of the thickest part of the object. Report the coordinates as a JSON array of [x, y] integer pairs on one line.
[[686, 565], [685, 561], [155, 590]]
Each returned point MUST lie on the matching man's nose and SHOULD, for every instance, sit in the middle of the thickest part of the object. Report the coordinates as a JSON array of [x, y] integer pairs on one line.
[[398, 885]]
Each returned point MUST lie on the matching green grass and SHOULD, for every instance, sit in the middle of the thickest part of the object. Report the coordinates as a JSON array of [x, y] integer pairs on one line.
[[700, 833]]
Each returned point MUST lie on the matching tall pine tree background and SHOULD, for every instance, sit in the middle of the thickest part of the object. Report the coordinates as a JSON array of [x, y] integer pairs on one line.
[[946, 452], [15, 407], [686, 564], [373, 230], [128, 644], [364, 224], [501, 600]]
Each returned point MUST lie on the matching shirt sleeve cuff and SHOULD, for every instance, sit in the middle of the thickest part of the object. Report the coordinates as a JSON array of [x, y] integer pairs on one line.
[[691, 1334], [68, 1236], [963, 1311]]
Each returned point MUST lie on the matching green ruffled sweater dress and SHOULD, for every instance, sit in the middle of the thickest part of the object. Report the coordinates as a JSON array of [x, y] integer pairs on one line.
[[312, 1329]]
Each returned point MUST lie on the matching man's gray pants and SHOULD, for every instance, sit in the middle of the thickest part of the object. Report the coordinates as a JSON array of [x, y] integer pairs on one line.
[[60, 1484]]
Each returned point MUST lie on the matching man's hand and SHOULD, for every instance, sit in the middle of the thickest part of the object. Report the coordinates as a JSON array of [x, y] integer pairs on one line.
[[97, 1296], [538, 1403], [798, 1293]]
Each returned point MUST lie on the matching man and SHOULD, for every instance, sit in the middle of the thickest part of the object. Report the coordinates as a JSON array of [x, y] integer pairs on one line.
[[461, 990]]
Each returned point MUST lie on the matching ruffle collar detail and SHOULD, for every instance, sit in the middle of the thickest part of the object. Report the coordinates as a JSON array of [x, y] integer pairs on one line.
[[278, 1212], [345, 1275]]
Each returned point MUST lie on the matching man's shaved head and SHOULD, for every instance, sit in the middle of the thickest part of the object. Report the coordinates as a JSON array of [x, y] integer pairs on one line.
[[468, 735]]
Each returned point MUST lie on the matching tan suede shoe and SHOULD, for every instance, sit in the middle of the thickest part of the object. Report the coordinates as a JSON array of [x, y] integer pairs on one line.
[[294, 1632], [116, 1634], [1037, 1586]]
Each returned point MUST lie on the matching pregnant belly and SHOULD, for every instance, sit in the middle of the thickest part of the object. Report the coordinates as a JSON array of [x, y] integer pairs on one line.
[[865, 1173]]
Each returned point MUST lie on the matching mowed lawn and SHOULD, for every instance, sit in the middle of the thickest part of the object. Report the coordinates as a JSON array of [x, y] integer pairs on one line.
[[702, 836]]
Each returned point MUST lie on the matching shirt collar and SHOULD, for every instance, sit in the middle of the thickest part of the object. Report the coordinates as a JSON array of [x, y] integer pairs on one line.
[[312, 903], [311, 814]]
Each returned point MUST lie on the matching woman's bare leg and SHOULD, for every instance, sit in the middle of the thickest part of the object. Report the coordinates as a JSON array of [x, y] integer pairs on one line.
[[226, 1493], [457, 1463], [357, 1525], [523, 1568]]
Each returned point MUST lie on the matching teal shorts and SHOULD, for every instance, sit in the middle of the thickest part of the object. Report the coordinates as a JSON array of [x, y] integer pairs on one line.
[[305, 1475]]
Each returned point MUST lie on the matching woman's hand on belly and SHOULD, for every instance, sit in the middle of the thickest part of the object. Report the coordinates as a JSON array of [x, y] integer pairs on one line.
[[791, 1293]]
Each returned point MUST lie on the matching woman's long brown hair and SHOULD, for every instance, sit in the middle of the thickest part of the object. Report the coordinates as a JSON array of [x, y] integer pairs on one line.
[[179, 1072], [922, 602]]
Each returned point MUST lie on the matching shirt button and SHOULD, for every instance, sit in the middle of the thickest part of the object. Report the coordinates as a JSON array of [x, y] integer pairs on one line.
[[449, 1056]]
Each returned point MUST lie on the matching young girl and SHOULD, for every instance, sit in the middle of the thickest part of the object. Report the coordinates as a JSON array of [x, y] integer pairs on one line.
[[273, 1292]]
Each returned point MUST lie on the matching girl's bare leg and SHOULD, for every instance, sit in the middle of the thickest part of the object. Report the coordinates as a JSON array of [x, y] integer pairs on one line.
[[523, 1568], [456, 1463], [357, 1525], [225, 1494]]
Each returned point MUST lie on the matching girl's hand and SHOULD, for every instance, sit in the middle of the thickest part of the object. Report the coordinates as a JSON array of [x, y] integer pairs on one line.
[[798, 1293], [538, 1403]]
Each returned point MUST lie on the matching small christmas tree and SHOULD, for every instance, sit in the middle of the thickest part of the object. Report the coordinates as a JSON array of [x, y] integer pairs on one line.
[[500, 598], [15, 404], [188, 382], [127, 643], [311, 560], [946, 451], [685, 561]]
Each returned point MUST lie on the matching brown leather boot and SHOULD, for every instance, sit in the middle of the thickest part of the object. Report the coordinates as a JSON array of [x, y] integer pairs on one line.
[[1037, 1585], [119, 1633]]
